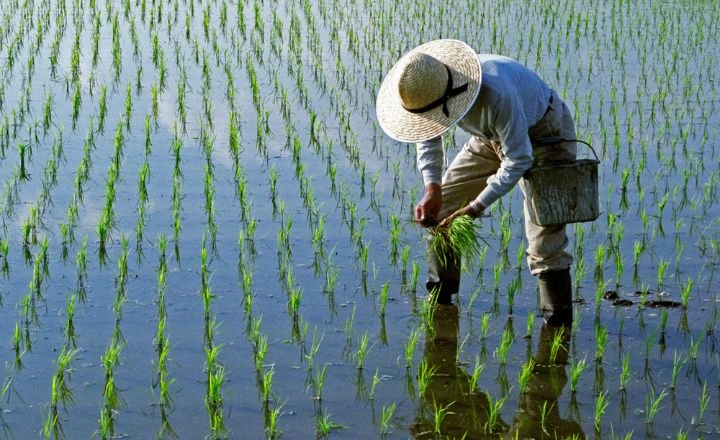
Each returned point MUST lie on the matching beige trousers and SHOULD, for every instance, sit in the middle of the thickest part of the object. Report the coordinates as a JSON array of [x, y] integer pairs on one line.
[[479, 159]]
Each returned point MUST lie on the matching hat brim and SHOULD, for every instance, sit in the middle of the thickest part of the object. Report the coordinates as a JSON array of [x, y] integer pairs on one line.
[[405, 126]]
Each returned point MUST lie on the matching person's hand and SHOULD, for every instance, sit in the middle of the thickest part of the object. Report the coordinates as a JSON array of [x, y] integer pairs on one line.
[[427, 210], [468, 210]]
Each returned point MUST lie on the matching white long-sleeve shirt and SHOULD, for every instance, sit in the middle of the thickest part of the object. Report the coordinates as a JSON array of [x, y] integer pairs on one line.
[[512, 99]]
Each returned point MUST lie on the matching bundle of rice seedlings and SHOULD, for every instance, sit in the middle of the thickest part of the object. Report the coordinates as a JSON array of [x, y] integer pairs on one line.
[[458, 239]]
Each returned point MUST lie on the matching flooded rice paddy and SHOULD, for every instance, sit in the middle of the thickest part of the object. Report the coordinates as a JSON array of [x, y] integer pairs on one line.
[[206, 234]]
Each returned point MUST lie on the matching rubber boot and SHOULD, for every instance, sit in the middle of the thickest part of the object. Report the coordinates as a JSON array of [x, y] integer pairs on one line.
[[556, 297], [443, 279]]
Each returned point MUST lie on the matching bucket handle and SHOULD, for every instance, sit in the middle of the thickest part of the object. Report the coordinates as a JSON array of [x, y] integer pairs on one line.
[[554, 140]]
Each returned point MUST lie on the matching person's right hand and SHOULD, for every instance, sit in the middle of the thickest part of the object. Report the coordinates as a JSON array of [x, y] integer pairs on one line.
[[427, 210]]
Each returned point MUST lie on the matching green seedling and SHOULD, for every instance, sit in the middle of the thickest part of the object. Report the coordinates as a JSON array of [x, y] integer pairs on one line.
[[439, 414], [102, 108], [685, 293], [266, 384], [503, 349], [23, 151], [60, 389], [383, 298], [497, 273], [599, 261], [544, 412], [694, 347], [515, 286], [314, 347], [375, 381], [350, 324], [493, 413], [70, 338], [576, 370], [525, 374], [320, 382], [704, 402], [475, 376], [110, 361], [324, 425], [106, 423], [428, 314], [625, 371], [128, 105], [601, 404], [484, 325], [294, 301], [47, 113], [364, 252], [459, 238], [77, 102], [652, 405], [331, 276], [557, 344], [271, 421], [424, 375], [412, 285], [17, 342], [601, 333], [529, 325], [214, 399], [394, 233], [261, 348], [662, 268], [410, 346], [362, 350], [387, 413]]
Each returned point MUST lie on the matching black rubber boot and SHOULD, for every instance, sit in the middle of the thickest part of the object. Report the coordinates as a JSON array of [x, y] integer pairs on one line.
[[443, 279], [556, 297]]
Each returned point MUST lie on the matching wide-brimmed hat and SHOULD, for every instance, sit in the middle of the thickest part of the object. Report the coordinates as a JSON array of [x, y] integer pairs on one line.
[[428, 90]]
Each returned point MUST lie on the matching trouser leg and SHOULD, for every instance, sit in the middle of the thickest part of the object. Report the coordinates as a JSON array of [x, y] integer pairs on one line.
[[464, 179], [547, 256]]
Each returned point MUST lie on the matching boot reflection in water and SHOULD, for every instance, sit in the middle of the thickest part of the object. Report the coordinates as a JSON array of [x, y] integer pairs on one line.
[[449, 386], [544, 388]]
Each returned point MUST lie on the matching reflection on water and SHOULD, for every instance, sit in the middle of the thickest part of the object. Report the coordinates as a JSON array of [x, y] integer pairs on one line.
[[538, 415], [449, 408]]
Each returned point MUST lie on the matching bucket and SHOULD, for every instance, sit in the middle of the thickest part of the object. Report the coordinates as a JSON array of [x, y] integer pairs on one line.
[[562, 192]]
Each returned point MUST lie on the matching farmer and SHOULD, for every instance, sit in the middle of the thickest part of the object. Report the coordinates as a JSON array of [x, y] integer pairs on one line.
[[507, 110]]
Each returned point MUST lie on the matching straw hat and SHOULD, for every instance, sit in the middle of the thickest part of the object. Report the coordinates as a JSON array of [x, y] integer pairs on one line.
[[418, 101]]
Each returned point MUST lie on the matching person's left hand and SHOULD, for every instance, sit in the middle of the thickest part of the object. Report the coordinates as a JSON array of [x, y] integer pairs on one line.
[[466, 210]]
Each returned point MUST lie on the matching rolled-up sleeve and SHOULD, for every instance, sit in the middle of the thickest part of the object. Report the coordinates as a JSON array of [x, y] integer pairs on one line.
[[430, 160], [511, 128]]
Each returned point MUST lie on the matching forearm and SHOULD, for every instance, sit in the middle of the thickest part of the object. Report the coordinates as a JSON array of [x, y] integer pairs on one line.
[[430, 161], [503, 181]]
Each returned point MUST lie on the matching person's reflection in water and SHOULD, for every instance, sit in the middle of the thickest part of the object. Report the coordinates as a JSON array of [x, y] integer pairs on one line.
[[538, 415], [449, 387]]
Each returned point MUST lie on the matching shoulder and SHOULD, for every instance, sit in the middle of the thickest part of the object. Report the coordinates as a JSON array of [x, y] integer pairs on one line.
[[497, 65], [495, 85]]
